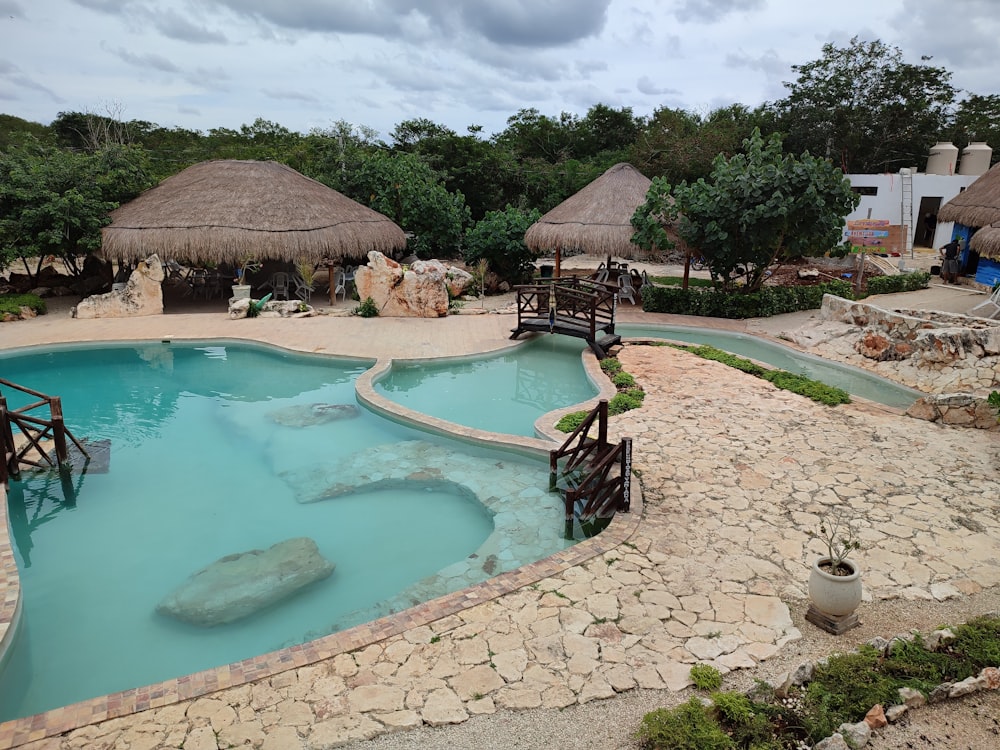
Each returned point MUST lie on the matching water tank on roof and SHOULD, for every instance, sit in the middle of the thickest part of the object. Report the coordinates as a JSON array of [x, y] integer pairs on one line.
[[975, 159], [942, 159]]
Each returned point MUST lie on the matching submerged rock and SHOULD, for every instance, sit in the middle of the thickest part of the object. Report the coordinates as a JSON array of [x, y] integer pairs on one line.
[[237, 586], [307, 415]]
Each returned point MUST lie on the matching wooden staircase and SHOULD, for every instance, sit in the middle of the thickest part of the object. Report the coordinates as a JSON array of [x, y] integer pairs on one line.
[[593, 475]]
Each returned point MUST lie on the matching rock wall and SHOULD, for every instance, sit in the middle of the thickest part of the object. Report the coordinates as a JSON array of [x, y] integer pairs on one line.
[[142, 295], [953, 358], [934, 352]]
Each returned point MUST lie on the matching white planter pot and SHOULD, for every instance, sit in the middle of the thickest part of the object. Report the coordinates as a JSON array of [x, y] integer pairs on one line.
[[241, 291], [835, 595]]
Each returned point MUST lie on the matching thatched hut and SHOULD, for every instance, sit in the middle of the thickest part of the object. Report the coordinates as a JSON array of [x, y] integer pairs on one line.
[[595, 220], [976, 213], [224, 211]]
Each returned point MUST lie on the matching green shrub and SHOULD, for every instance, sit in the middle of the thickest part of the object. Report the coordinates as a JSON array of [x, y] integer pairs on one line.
[[610, 365], [367, 309], [689, 726], [706, 677], [768, 301], [904, 282], [12, 304], [844, 689], [678, 281], [571, 421], [626, 401], [623, 380]]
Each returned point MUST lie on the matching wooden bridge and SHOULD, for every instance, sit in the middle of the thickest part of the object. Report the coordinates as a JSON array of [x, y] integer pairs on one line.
[[37, 431], [571, 306], [593, 474]]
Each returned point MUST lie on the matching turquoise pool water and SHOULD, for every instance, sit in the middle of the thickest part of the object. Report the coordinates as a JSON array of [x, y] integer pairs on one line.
[[854, 381], [503, 392], [209, 458]]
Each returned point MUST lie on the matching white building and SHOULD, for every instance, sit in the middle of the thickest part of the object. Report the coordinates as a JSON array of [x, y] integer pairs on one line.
[[901, 208]]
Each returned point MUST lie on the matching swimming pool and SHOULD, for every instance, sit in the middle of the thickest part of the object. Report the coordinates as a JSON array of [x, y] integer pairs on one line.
[[220, 449]]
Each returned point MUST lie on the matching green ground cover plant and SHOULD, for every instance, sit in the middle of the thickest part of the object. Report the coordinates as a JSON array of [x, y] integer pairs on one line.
[[843, 689], [12, 304], [904, 282], [629, 396]]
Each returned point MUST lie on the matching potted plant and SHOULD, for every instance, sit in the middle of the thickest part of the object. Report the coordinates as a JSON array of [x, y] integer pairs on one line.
[[247, 265], [835, 579]]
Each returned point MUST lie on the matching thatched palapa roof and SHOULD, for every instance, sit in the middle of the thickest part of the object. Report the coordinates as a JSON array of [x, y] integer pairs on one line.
[[979, 206], [223, 211], [597, 219]]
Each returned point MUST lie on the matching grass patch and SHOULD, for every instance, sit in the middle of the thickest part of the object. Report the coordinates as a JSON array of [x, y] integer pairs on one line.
[[12, 304], [630, 396]]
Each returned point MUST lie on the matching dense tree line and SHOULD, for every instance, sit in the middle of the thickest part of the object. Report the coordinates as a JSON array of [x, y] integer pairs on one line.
[[861, 107]]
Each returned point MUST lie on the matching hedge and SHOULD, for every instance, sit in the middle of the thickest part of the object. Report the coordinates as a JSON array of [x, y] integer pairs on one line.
[[768, 301]]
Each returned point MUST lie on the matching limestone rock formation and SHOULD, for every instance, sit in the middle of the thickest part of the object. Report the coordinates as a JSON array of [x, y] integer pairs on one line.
[[417, 291], [237, 586], [142, 295]]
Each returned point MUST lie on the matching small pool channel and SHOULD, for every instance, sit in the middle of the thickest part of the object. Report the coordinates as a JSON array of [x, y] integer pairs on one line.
[[217, 450], [503, 392], [851, 379]]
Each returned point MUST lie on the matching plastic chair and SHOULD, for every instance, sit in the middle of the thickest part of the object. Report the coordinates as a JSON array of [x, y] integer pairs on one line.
[[625, 288], [993, 301], [280, 283], [339, 285], [302, 290]]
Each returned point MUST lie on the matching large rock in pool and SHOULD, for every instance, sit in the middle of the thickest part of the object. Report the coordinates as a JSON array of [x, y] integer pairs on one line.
[[239, 585]]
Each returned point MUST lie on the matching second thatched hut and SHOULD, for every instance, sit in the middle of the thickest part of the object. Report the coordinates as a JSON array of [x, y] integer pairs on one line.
[[976, 213]]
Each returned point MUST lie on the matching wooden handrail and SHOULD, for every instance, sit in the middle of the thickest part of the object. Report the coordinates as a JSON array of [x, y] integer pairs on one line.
[[35, 430]]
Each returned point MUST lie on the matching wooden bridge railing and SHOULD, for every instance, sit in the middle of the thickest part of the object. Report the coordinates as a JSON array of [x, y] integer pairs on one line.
[[35, 429], [596, 474], [569, 301]]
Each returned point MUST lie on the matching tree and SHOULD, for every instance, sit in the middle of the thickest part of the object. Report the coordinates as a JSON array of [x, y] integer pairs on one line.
[[865, 108], [54, 201], [757, 208], [405, 189], [499, 239], [978, 119]]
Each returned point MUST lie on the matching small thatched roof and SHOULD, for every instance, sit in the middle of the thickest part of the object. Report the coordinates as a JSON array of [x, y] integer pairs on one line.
[[978, 205], [597, 219], [222, 211]]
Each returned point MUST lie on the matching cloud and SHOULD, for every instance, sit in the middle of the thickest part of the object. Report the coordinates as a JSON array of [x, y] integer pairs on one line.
[[15, 78], [768, 63], [11, 9], [523, 23], [536, 23], [285, 94], [710, 11], [146, 60], [648, 86], [175, 26]]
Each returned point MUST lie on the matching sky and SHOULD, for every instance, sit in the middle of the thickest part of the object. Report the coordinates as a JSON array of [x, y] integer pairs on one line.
[[306, 64]]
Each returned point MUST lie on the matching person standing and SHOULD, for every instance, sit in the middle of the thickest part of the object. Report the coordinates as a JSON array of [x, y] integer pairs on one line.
[[949, 264]]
